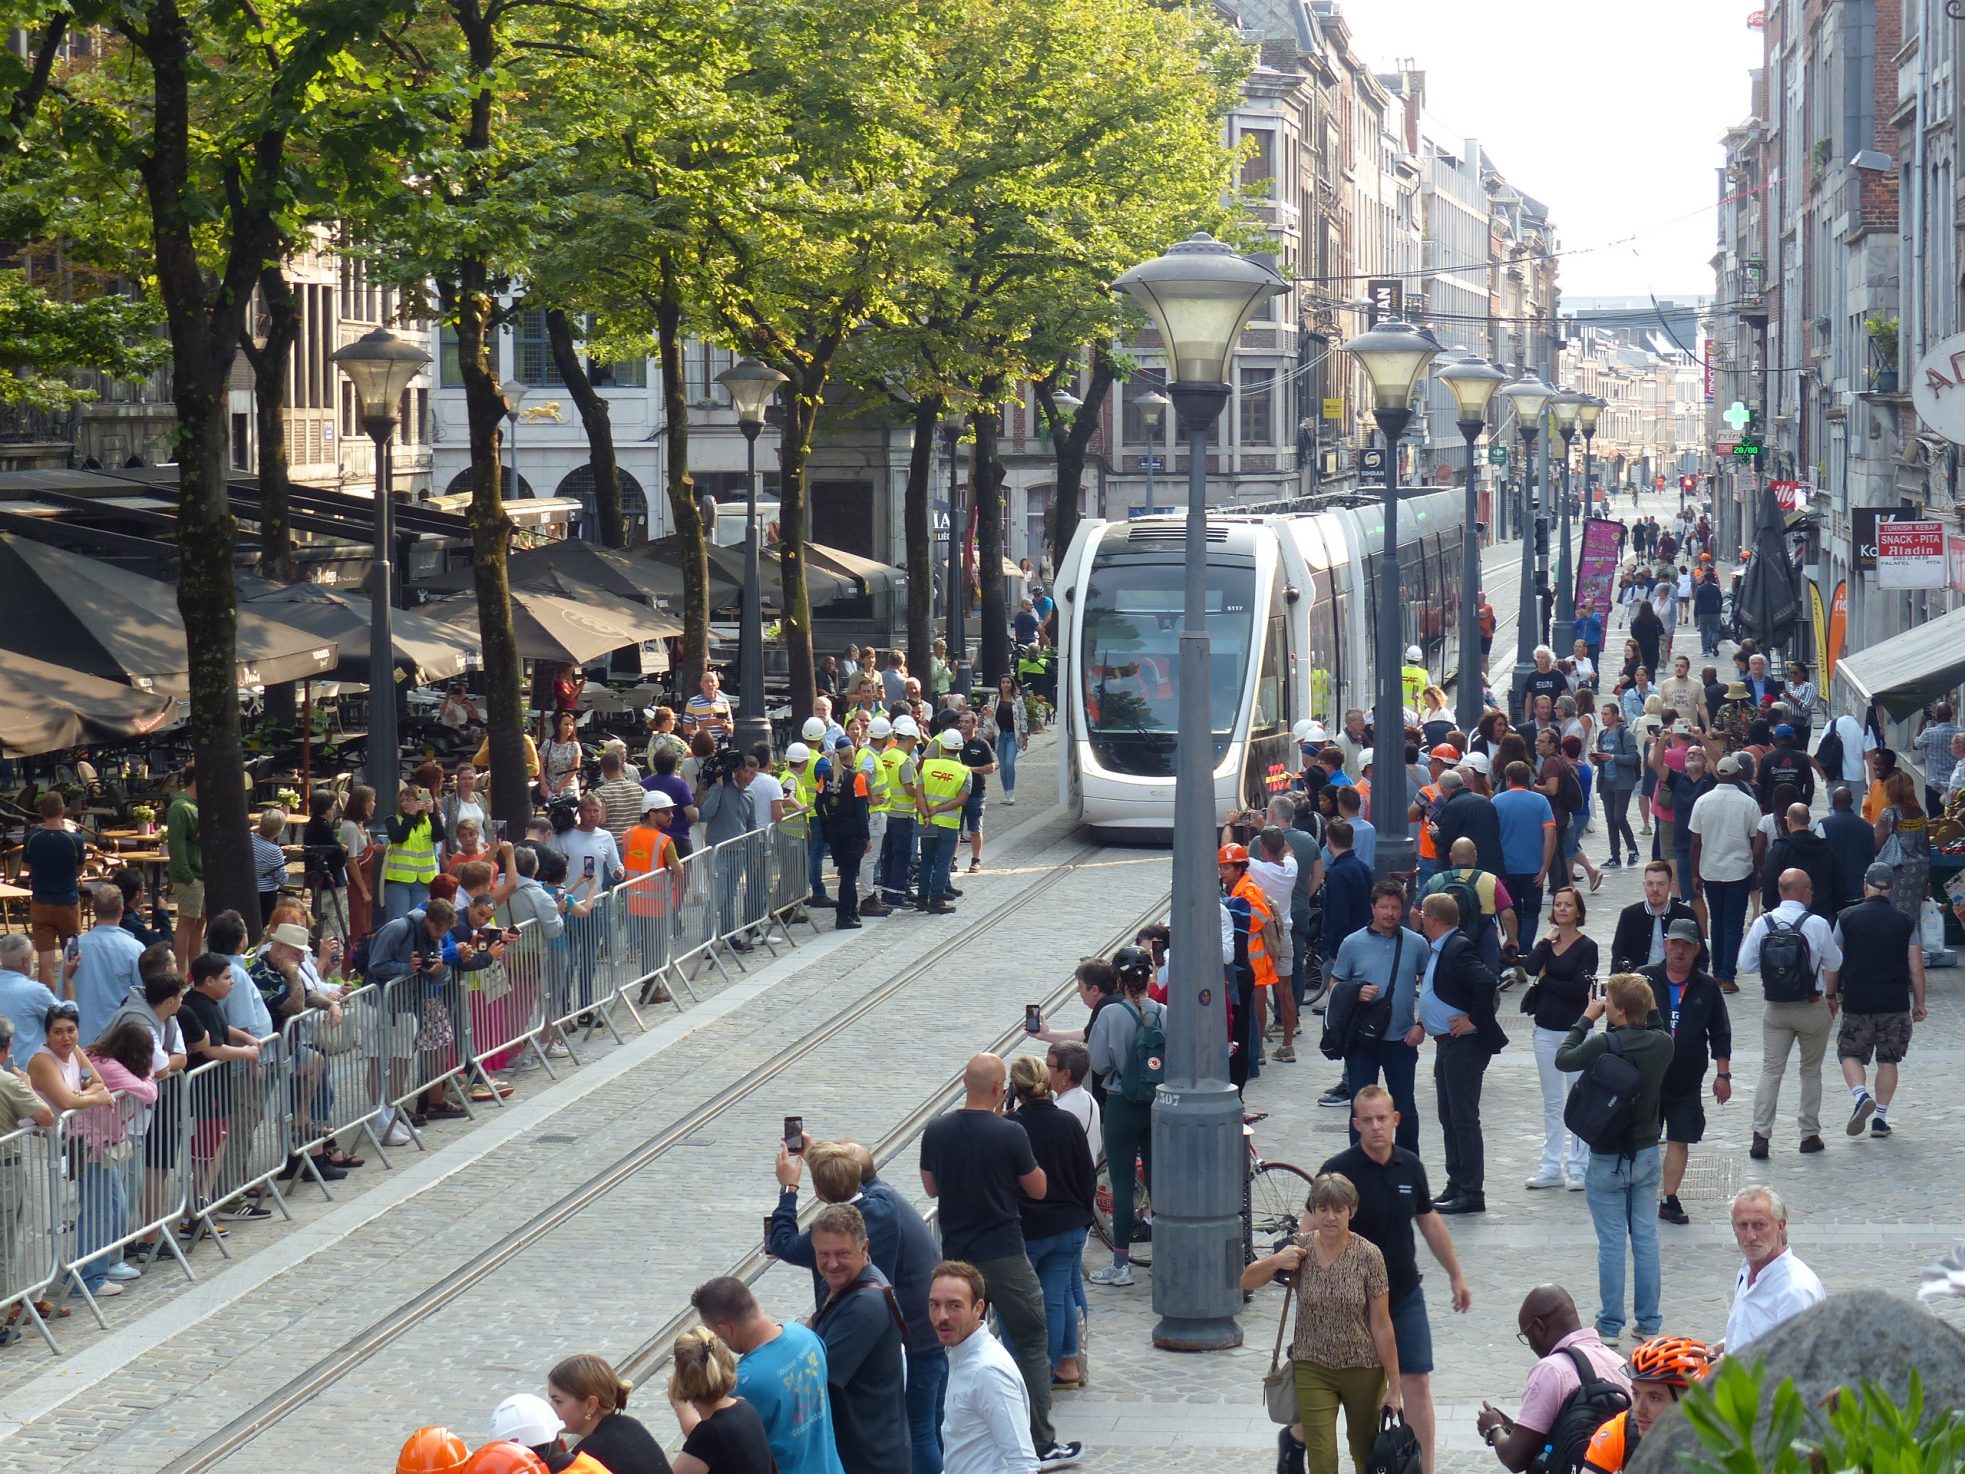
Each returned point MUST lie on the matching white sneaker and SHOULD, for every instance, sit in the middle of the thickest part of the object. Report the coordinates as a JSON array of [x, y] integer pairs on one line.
[[527, 1062], [1117, 1276], [398, 1135], [1010, 799], [103, 1291], [558, 1050], [125, 1271], [1578, 1184], [1541, 1180]]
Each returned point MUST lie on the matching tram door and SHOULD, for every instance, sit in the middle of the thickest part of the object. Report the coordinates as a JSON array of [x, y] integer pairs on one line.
[[1266, 768]]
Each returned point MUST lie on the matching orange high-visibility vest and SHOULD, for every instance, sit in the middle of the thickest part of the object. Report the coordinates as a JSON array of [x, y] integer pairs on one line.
[[1260, 962]]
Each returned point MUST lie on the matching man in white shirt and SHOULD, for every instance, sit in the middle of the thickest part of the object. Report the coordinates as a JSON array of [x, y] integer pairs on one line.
[[1273, 867], [1726, 847], [1773, 1285], [1785, 1023], [985, 1410], [1857, 742]]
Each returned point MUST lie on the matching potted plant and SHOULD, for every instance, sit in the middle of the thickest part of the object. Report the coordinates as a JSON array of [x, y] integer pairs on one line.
[[1883, 338], [144, 817], [288, 799]]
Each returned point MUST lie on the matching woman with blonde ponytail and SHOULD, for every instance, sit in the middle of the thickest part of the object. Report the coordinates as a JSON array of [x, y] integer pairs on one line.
[[721, 1434]]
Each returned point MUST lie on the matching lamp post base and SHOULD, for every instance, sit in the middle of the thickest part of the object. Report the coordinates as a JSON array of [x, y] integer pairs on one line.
[[748, 731], [1200, 1172]]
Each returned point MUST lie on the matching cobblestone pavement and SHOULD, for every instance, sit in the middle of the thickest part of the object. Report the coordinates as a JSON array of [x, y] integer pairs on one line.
[[183, 1360]]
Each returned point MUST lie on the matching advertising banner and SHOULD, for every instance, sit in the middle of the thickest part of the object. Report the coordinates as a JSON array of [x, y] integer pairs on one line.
[[1838, 627], [1911, 555], [1596, 570]]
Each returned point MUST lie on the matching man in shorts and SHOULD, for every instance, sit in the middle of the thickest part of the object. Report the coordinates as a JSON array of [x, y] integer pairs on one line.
[[1693, 1006], [53, 854], [1879, 1000], [980, 759], [187, 870]]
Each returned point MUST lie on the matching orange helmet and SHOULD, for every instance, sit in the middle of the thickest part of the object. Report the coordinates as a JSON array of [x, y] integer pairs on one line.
[[504, 1458], [433, 1451], [1232, 854], [1674, 1360]]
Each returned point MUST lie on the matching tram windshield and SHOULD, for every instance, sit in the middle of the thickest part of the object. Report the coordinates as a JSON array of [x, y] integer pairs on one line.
[[1130, 659]]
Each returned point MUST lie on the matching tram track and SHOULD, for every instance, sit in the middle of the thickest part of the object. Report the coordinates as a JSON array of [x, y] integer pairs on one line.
[[241, 1431]]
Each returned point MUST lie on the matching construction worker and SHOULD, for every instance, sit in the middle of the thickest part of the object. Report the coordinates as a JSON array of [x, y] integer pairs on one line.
[[871, 740], [943, 790], [409, 862], [1257, 933], [900, 780], [1660, 1371], [1413, 679]]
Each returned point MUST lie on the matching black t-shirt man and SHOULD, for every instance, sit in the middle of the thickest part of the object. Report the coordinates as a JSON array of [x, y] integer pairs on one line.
[[1550, 683], [202, 1019], [54, 860], [976, 1158], [1390, 1195], [1878, 933], [977, 754]]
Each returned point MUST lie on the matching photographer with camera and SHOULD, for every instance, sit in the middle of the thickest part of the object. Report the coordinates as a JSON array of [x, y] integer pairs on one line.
[[728, 811]]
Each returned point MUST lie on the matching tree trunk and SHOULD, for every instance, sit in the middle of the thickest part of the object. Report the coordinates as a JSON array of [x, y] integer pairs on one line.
[[600, 429], [986, 493], [919, 537], [1071, 452], [802, 396], [270, 368], [689, 538], [205, 323]]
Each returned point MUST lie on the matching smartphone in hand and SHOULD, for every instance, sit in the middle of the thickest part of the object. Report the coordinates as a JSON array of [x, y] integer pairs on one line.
[[1033, 1018], [795, 1135]]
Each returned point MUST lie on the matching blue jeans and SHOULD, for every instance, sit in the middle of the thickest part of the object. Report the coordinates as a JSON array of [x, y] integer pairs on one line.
[[1006, 760], [937, 854], [1623, 1196], [927, 1380], [1400, 1063], [815, 858], [400, 897], [101, 1216], [1727, 901], [1682, 865], [583, 934], [1059, 1260], [896, 852]]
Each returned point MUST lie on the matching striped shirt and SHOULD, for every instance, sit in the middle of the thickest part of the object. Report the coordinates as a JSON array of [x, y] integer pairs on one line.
[[707, 714]]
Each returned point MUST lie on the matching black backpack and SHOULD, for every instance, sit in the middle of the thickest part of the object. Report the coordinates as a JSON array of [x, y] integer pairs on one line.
[[1569, 790], [1829, 754], [1585, 1410], [1602, 1103], [1787, 964]]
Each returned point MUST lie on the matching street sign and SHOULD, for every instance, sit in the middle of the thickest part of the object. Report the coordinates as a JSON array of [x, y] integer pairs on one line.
[[1911, 555], [1333, 409], [1372, 459], [1726, 445], [1497, 455], [1787, 495], [1747, 449], [1387, 296], [1938, 388], [1153, 463]]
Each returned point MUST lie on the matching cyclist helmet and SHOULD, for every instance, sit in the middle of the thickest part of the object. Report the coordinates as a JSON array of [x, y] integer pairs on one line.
[[1674, 1360], [1133, 963]]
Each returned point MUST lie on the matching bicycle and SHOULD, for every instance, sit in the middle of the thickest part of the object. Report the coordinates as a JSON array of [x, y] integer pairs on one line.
[[1272, 1200]]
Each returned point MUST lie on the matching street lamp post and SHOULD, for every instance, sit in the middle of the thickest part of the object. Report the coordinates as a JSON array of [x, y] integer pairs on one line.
[[513, 393], [958, 587], [1394, 354], [1564, 409], [1152, 407], [380, 365], [752, 386], [1528, 395], [1472, 382], [1199, 295], [1586, 422]]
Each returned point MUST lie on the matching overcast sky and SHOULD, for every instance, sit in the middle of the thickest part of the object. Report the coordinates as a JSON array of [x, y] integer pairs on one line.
[[1608, 111]]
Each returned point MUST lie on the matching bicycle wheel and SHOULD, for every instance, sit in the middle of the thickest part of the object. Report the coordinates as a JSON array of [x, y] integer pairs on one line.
[[1102, 1211], [1315, 984], [1277, 1193]]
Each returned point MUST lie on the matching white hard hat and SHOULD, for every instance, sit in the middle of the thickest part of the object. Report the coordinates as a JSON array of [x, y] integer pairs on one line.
[[798, 752], [906, 726], [1317, 733], [525, 1418], [951, 740], [880, 727], [656, 799], [813, 729], [1415, 654], [1302, 729]]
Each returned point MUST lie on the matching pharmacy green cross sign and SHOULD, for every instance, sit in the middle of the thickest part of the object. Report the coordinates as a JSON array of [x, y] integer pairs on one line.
[[1737, 416]]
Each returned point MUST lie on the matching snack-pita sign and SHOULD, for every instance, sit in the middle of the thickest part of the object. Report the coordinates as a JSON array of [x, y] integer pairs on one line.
[[1911, 555]]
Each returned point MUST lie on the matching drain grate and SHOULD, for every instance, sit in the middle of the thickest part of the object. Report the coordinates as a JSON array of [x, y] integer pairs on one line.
[[554, 1140], [1710, 1178]]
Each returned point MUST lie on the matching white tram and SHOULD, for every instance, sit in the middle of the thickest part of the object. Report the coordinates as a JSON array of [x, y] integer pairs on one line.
[[1292, 613]]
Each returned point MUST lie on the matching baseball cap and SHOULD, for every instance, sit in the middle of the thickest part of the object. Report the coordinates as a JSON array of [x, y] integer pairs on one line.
[[655, 799], [841, 741], [1784, 730], [1446, 753], [951, 740], [798, 752], [1479, 762], [1685, 929], [1880, 877], [906, 727], [880, 727], [813, 729], [1729, 766]]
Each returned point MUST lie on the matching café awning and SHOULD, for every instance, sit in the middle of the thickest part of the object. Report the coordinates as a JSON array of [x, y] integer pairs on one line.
[[1909, 671], [45, 708]]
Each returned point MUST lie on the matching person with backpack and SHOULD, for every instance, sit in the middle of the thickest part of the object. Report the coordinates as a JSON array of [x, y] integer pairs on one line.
[[1347, 909], [1575, 1386], [1614, 1108], [1693, 1006], [1487, 917], [1793, 950], [1128, 1042]]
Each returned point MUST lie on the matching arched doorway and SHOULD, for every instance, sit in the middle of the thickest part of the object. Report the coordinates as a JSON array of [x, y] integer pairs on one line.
[[578, 485], [460, 484]]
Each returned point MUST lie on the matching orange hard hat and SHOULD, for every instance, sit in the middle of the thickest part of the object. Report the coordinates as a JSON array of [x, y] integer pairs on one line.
[[1232, 854], [505, 1458], [432, 1451]]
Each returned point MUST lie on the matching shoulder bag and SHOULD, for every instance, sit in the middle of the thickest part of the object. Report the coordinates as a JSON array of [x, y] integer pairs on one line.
[[1279, 1385]]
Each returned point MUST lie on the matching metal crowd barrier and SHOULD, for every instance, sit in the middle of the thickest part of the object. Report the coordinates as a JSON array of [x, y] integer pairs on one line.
[[76, 1195], [30, 1215]]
